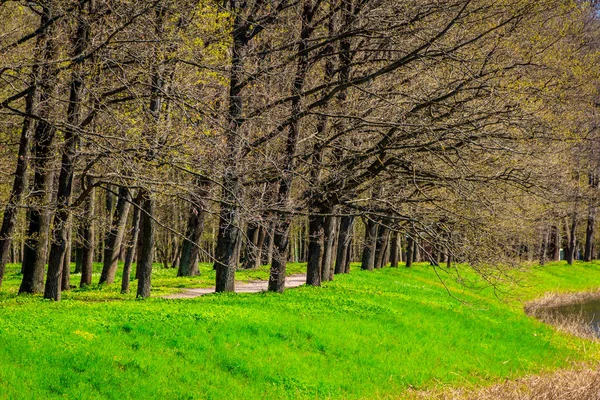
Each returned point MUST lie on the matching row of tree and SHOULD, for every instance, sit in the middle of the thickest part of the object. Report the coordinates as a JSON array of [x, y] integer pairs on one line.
[[243, 132]]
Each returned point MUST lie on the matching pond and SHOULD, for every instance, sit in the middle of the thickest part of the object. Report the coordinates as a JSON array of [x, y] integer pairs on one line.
[[586, 313]]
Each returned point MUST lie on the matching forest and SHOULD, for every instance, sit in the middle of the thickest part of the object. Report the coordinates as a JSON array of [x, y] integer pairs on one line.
[[249, 133], [430, 170]]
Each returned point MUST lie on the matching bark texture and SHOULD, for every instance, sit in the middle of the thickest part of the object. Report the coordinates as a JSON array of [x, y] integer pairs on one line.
[[131, 246], [330, 234], [342, 260], [88, 236], [36, 245], [368, 255], [394, 249], [410, 245], [114, 238], [9, 220], [315, 249], [147, 238]]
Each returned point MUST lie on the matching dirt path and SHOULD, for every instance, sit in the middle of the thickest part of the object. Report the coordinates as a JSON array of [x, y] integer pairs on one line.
[[291, 281]]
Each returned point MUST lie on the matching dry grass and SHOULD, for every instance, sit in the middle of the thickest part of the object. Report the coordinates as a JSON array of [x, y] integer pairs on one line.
[[575, 324], [582, 383], [562, 299], [578, 383]]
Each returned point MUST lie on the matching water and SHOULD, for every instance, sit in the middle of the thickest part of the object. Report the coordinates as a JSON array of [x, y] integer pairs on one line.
[[588, 313]]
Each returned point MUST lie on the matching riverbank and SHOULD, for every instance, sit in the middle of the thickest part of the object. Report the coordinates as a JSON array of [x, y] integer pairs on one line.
[[582, 382], [381, 334], [575, 313]]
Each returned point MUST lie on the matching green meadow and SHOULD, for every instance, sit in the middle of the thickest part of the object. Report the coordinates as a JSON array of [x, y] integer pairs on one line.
[[364, 335]]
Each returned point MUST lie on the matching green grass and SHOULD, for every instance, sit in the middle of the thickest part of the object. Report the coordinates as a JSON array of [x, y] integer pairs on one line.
[[164, 281], [365, 335]]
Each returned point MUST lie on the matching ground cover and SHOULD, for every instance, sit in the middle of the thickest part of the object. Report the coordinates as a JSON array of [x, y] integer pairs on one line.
[[164, 281], [365, 335]]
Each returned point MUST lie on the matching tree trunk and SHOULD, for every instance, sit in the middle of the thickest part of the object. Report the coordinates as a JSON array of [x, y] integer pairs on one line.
[[66, 269], [267, 248], [281, 249], [330, 233], [434, 257], [9, 221], [280, 254], [163, 257], [394, 250], [315, 249], [147, 233], [283, 219], [302, 236], [410, 245], [109, 202], [225, 264], [334, 247], [350, 255], [138, 248], [188, 263], [544, 247], [88, 237], [147, 238], [262, 234], [572, 245], [238, 249], [555, 241], [131, 245], [345, 237], [368, 256], [386, 252], [400, 253], [36, 245], [252, 249], [589, 235], [176, 261], [114, 238], [36, 249], [346, 250], [381, 245], [60, 233], [416, 251], [320, 248], [78, 259], [190, 250]]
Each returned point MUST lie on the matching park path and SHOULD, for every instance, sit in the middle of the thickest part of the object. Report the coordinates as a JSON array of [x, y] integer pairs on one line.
[[291, 281]]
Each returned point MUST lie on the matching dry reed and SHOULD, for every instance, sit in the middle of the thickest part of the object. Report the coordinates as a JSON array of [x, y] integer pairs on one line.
[[582, 383]]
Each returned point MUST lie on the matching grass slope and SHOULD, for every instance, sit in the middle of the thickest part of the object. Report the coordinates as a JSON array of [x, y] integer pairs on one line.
[[365, 335]]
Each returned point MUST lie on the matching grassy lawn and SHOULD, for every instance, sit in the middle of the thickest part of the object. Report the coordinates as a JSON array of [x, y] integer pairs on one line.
[[365, 335], [164, 281]]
